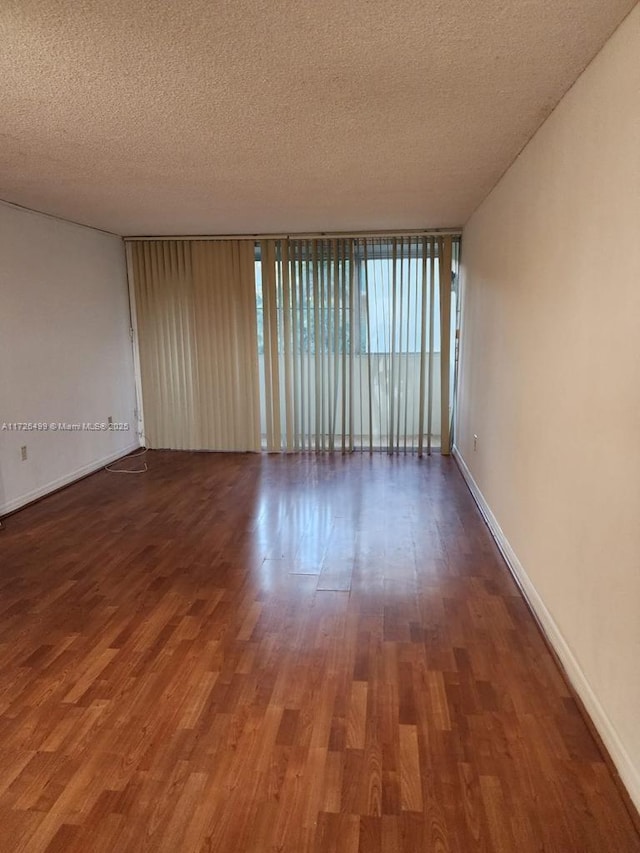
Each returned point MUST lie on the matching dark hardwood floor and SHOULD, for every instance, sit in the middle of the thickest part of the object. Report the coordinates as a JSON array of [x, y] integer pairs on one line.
[[250, 653]]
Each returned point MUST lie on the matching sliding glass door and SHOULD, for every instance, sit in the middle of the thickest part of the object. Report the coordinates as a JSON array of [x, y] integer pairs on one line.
[[350, 342]]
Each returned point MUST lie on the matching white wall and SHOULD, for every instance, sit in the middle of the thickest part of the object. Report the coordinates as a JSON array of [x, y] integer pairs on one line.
[[65, 352], [550, 381]]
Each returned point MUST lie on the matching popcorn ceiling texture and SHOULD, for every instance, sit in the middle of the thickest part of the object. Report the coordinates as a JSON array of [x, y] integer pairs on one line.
[[245, 116]]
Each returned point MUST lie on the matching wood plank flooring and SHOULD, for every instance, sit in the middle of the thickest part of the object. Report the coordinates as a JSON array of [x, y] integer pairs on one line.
[[251, 653]]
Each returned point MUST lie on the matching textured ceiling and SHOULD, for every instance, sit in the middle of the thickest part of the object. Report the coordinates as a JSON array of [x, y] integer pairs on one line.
[[245, 116]]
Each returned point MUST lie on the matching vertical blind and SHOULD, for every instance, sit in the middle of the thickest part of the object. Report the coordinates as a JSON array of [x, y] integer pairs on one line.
[[307, 380], [355, 343], [296, 344], [196, 330]]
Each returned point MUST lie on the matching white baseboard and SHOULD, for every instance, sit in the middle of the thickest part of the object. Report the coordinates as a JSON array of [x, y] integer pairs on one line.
[[629, 774], [90, 468]]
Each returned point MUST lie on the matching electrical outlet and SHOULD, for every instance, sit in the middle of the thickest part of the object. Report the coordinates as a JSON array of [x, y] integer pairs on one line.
[[23, 453], [475, 441], [110, 420]]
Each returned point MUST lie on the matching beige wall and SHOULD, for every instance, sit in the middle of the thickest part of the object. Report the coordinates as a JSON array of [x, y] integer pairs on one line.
[[65, 352], [550, 381]]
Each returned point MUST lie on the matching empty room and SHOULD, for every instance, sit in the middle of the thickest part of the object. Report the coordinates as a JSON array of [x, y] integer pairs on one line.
[[319, 420]]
